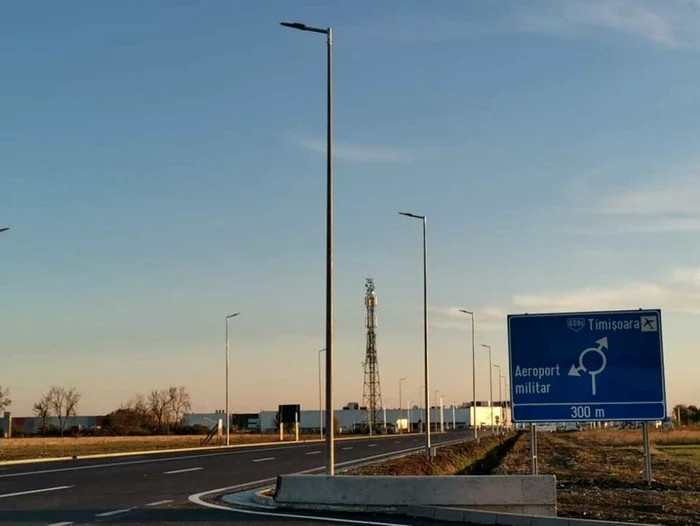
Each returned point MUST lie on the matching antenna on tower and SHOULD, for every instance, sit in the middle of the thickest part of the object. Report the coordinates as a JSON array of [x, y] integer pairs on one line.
[[372, 391]]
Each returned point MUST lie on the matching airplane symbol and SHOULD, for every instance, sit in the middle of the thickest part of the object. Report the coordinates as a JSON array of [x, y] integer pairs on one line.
[[649, 324]]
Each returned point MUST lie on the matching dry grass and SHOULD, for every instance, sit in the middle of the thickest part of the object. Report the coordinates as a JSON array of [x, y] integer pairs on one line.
[[28, 448], [600, 474], [633, 437]]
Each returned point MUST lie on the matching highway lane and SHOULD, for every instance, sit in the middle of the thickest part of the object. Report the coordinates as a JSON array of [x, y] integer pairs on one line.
[[104, 490]]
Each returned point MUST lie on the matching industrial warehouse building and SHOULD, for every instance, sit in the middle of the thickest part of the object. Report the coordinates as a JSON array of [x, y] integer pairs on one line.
[[351, 420]]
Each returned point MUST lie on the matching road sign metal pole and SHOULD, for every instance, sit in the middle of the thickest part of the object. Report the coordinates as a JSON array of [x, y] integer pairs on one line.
[[533, 449], [647, 454]]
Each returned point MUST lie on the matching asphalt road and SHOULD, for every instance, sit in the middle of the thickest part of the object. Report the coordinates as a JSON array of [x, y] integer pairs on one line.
[[154, 489]]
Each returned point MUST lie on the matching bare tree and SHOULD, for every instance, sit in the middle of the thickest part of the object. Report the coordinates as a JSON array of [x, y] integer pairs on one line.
[[42, 409], [63, 403], [159, 406], [5, 401], [179, 401]]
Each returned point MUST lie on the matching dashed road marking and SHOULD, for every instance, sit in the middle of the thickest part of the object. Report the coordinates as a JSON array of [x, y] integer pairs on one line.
[[263, 459], [61, 524], [159, 503], [30, 492], [181, 471], [313, 452], [372, 445], [346, 448], [115, 512]]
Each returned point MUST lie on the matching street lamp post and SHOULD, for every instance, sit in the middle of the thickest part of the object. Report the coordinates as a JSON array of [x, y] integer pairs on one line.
[[435, 404], [490, 385], [4, 229], [426, 366], [400, 404], [500, 398], [320, 394], [499, 380], [470, 313], [228, 414], [330, 432]]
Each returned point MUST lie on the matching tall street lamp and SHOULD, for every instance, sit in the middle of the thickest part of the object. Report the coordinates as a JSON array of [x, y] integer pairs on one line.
[[228, 414], [4, 229], [330, 432], [499, 382], [490, 384], [426, 366], [400, 402], [470, 313], [320, 395]]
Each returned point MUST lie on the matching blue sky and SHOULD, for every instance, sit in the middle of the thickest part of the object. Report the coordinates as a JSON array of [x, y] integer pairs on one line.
[[162, 164]]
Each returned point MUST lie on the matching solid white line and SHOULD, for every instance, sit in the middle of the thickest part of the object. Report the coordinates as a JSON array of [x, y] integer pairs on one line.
[[33, 491], [159, 503], [263, 459], [61, 524], [181, 471], [372, 445], [110, 513], [346, 448], [197, 499], [314, 453]]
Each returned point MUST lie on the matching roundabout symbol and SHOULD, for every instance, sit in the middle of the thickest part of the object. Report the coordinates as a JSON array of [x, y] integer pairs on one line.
[[576, 371]]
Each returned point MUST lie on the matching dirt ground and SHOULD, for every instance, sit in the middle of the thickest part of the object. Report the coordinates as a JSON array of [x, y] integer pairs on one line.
[[29, 448], [600, 474]]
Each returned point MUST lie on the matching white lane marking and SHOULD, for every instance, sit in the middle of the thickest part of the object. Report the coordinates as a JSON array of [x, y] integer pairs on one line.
[[346, 448], [30, 492], [148, 461], [115, 512], [397, 442], [61, 524], [181, 471], [263, 459], [313, 453], [372, 445], [159, 503]]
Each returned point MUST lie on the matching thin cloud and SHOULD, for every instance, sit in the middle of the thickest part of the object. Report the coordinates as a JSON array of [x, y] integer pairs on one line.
[[672, 293], [488, 318], [666, 204], [669, 23], [359, 153]]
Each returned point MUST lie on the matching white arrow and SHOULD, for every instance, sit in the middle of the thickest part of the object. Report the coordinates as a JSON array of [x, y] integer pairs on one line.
[[576, 371]]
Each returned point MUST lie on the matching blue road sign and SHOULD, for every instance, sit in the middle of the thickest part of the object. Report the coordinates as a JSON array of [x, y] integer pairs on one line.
[[586, 366]]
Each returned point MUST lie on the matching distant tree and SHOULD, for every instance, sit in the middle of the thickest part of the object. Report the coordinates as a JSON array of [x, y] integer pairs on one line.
[[179, 401], [5, 401], [158, 404], [42, 409], [63, 403]]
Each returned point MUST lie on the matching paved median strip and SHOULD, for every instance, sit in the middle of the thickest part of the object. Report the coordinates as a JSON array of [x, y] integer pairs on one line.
[[30, 492], [115, 512], [263, 459], [182, 471]]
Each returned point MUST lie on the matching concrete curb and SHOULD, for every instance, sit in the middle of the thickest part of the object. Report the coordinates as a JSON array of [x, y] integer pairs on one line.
[[185, 450], [501, 519]]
